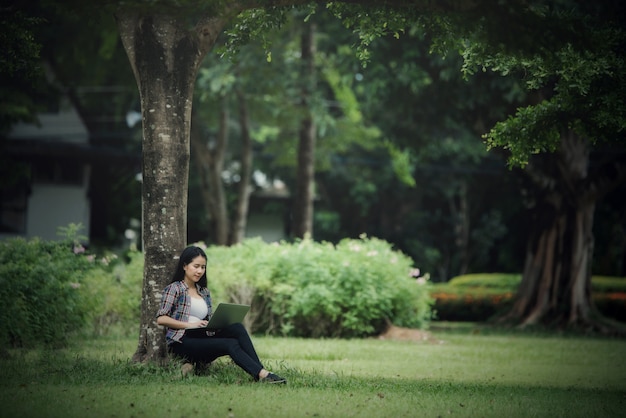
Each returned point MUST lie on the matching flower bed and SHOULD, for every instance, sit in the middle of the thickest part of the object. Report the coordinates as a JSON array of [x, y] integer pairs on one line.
[[477, 297]]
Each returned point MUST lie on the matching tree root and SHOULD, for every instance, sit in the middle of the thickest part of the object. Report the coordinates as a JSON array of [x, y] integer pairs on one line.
[[596, 325]]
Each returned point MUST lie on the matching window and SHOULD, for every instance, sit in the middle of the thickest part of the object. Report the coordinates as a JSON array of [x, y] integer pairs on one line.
[[57, 172], [13, 205]]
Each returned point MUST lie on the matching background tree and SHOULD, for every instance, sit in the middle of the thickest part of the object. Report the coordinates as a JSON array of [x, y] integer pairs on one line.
[[276, 105], [305, 176], [576, 71], [209, 159], [20, 64], [221, 85], [20, 72], [458, 205]]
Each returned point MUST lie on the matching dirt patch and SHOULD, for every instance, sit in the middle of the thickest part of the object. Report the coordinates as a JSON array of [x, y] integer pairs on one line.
[[408, 334]]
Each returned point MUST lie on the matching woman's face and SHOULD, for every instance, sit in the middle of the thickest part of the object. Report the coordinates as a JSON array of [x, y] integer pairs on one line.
[[195, 269]]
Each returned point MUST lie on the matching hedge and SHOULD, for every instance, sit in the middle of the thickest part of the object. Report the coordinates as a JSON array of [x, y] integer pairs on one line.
[[477, 297]]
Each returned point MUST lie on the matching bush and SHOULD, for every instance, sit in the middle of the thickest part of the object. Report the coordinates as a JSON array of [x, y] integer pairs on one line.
[[607, 284], [500, 281], [51, 290], [312, 289], [112, 295], [39, 294], [469, 305]]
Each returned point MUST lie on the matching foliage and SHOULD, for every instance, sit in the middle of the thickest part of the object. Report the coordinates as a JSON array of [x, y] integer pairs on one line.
[[112, 295], [578, 78], [19, 65], [499, 281], [429, 121], [371, 22], [607, 284], [312, 289], [510, 282], [476, 305], [305, 289], [39, 291], [55, 290], [253, 26], [474, 297]]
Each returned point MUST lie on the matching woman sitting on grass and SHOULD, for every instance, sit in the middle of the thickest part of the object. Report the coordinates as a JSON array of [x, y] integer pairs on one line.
[[186, 304]]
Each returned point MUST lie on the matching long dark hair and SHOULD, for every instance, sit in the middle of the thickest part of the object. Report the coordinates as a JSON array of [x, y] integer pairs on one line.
[[185, 258]]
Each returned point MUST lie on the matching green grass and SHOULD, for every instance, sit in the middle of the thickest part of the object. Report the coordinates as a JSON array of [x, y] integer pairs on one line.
[[488, 374]]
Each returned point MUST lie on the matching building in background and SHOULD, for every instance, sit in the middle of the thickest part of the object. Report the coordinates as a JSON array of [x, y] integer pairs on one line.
[[59, 170]]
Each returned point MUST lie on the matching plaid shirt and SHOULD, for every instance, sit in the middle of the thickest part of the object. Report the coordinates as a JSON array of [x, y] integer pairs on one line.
[[176, 303]]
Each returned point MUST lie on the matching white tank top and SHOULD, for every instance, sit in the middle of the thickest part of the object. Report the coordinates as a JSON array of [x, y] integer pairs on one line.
[[198, 310]]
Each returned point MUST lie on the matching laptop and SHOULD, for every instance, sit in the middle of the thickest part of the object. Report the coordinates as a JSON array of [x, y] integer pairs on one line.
[[226, 314]]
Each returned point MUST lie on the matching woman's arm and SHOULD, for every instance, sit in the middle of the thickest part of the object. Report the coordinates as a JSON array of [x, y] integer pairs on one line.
[[170, 322]]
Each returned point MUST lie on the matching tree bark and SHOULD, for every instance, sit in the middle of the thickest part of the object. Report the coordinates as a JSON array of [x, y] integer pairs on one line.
[[164, 55], [556, 282], [305, 175], [202, 156], [243, 194], [461, 217], [216, 167]]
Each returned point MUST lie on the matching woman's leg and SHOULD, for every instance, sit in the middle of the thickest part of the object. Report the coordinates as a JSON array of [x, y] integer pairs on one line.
[[208, 349], [239, 332]]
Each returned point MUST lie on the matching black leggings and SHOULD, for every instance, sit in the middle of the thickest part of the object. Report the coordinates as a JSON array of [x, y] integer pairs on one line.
[[233, 341]]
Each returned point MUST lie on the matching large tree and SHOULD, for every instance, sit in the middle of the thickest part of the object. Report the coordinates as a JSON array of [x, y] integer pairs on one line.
[[576, 72], [165, 54]]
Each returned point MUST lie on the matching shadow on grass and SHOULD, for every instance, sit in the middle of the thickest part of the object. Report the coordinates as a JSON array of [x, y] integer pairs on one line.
[[535, 331], [52, 367]]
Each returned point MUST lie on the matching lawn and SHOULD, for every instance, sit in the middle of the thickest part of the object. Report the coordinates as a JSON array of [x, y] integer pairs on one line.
[[461, 374]]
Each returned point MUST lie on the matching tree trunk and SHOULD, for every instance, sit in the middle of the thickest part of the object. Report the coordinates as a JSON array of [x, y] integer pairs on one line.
[[216, 167], [461, 217], [202, 156], [210, 162], [556, 282], [164, 55], [243, 195], [305, 175]]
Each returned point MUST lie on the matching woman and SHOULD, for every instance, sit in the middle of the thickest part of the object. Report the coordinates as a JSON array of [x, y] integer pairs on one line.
[[186, 304]]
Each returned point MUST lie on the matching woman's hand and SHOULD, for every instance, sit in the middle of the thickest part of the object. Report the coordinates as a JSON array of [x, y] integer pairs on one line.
[[198, 324], [175, 324]]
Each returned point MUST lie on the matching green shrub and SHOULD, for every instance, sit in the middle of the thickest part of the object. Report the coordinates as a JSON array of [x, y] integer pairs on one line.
[[607, 284], [469, 304], [53, 289], [312, 289], [112, 295], [39, 294], [501, 281], [509, 282]]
